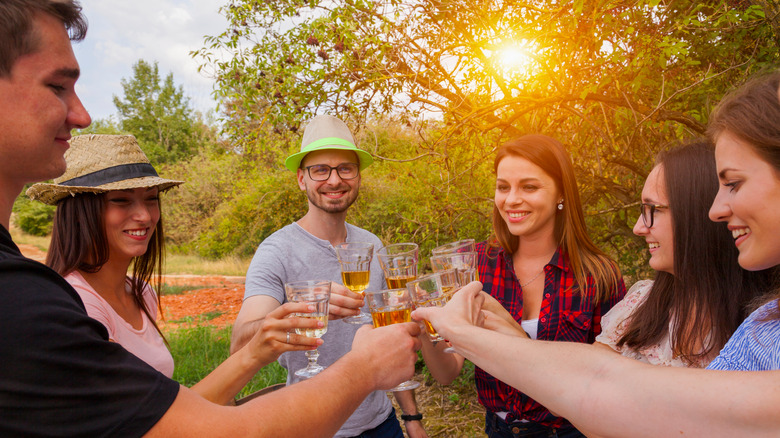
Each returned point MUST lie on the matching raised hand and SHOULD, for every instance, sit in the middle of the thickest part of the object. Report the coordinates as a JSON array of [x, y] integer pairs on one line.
[[343, 302], [272, 339], [388, 353], [463, 309]]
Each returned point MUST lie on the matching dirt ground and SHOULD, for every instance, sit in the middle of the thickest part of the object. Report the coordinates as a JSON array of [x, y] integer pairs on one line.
[[221, 296]]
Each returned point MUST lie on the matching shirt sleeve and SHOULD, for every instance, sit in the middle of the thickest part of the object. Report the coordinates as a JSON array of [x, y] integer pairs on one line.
[[613, 322], [59, 374], [266, 272]]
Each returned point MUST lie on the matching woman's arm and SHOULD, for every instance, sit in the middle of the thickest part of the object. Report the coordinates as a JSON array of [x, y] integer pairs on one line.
[[610, 395], [270, 341]]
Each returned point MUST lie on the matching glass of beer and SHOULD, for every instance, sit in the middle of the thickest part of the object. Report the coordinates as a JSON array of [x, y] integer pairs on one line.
[[317, 294], [464, 262], [391, 306], [399, 263], [355, 260], [434, 290], [465, 245]]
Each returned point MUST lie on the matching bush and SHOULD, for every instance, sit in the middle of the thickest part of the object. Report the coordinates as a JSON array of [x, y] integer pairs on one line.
[[33, 217]]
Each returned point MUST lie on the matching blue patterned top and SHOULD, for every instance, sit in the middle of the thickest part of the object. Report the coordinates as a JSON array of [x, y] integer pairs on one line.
[[755, 346]]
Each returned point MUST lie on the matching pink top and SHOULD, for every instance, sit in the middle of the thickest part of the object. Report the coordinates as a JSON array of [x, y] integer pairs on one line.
[[614, 323], [145, 343]]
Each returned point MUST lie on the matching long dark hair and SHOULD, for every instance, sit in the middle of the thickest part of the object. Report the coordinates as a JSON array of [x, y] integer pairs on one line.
[[708, 295], [78, 241], [570, 230]]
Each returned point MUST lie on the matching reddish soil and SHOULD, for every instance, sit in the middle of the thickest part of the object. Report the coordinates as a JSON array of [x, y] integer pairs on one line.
[[216, 304]]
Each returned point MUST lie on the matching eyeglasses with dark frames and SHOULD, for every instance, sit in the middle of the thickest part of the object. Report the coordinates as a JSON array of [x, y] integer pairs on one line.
[[648, 212], [322, 172]]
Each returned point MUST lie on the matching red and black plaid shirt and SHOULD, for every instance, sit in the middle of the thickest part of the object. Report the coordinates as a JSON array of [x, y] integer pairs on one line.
[[567, 314]]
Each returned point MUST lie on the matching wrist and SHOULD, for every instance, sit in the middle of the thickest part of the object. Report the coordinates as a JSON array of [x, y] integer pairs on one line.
[[415, 417]]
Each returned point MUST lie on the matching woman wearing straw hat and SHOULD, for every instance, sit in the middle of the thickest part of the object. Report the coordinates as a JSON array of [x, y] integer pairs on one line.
[[108, 217]]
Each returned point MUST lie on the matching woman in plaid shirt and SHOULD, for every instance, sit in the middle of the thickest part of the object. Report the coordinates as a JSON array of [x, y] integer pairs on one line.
[[541, 267]]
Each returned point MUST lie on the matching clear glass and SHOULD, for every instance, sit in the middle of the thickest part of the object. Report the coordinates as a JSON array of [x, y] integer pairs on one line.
[[391, 306], [465, 245], [464, 262], [355, 260], [399, 263], [434, 290], [316, 293]]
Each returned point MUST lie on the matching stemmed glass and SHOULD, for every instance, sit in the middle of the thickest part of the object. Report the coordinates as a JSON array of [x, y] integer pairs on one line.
[[434, 290], [355, 261], [464, 262], [399, 263], [317, 294], [391, 306]]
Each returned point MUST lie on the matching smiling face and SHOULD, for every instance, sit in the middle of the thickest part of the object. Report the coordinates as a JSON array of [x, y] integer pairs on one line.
[[526, 198], [130, 219], [660, 237], [748, 200], [333, 195], [39, 108]]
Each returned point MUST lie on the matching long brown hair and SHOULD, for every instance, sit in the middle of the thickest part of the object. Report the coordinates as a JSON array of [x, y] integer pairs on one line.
[[78, 241], [752, 114], [706, 299], [570, 230]]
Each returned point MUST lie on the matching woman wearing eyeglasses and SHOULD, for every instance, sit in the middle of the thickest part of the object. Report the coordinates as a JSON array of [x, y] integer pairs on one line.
[[700, 294]]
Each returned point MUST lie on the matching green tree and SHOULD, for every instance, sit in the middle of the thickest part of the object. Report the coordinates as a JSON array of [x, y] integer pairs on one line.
[[615, 81], [159, 115]]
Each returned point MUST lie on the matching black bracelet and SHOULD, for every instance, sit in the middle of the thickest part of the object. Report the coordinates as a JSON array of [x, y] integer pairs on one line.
[[416, 417]]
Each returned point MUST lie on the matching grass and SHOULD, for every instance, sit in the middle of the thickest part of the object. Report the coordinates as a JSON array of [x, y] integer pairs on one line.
[[194, 265], [199, 350], [20, 237]]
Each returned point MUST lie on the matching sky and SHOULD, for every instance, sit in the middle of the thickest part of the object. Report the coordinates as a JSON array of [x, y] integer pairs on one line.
[[121, 32]]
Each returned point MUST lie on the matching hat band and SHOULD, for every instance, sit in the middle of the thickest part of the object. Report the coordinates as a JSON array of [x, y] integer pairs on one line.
[[112, 174], [328, 141]]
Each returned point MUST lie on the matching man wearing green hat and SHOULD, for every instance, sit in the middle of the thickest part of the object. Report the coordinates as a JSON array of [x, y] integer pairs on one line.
[[328, 171]]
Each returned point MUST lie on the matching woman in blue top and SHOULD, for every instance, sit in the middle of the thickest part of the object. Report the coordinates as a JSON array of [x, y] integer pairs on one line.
[[609, 395]]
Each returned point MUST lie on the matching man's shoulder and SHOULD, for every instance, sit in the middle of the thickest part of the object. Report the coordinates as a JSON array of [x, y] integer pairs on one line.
[[357, 234]]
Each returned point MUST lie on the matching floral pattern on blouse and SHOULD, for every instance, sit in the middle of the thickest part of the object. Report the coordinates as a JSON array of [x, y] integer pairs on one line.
[[614, 323]]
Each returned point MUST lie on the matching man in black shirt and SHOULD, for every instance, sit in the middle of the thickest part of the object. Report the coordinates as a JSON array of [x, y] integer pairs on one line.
[[59, 374]]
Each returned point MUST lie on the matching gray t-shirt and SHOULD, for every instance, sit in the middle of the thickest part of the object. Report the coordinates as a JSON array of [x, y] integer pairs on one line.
[[292, 254]]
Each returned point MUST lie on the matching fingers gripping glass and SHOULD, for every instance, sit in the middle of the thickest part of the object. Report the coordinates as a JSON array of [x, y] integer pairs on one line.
[[322, 172], [648, 212]]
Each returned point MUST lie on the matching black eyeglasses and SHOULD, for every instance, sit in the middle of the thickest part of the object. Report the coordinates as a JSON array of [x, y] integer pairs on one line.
[[321, 172], [648, 213]]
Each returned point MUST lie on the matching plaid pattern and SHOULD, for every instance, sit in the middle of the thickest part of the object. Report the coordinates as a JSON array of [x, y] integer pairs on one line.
[[566, 315]]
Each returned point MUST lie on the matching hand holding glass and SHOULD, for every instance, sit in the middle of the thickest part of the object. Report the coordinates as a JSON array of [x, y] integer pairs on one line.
[[317, 294], [391, 306], [434, 290], [355, 260]]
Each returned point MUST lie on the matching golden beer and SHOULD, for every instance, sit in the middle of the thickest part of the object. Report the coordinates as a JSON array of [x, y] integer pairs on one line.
[[313, 332], [391, 315], [399, 282], [356, 281]]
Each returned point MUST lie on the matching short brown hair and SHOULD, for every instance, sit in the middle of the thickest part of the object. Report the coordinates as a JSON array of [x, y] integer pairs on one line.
[[17, 33]]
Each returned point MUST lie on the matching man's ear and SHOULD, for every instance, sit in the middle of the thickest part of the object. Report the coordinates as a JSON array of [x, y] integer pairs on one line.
[[300, 174]]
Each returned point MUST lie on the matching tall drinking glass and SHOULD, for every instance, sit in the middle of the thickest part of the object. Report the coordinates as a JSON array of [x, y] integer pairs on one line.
[[391, 306], [399, 263], [317, 294], [465, 245], [434, 290], [355, 260], [464, 262]]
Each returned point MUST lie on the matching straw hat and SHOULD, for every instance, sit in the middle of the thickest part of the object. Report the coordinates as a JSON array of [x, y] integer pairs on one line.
[[98, 164], [326, 132]]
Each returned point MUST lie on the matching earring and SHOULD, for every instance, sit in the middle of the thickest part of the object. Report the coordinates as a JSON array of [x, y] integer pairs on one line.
[[560, 205]]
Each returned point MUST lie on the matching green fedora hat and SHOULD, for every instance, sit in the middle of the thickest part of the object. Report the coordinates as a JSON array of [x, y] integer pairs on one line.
[[327, 132]]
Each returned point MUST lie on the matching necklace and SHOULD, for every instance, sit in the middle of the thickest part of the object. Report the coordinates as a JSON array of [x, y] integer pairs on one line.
[[522, 285]]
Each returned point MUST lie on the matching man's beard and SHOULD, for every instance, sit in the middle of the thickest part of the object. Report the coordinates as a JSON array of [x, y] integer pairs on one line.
[[342, 204]]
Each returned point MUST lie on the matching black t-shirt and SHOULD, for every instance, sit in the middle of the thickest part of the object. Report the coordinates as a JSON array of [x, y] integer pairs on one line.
[[59, 374]]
